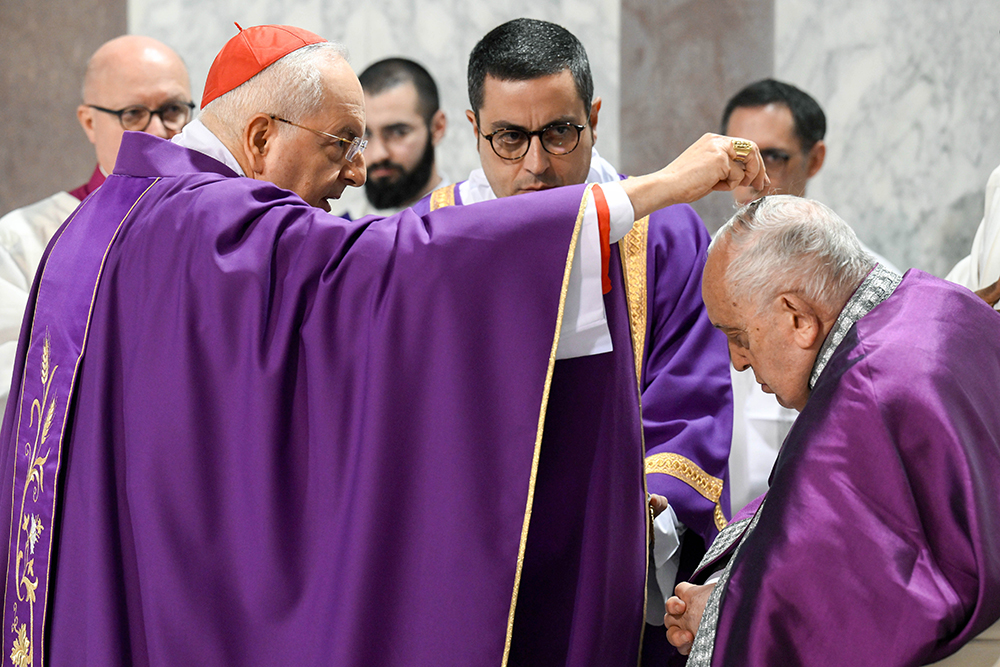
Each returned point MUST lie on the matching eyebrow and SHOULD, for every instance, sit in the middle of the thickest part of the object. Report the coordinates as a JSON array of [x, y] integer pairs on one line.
[[561, 120]]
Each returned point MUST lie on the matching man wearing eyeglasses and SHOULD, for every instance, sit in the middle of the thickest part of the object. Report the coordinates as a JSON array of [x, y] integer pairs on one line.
[[403, 125], [131, 83], [535, 121], [789, 126]]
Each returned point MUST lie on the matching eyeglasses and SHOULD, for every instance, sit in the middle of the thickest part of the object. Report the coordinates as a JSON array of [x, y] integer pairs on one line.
[[173, 115], [355, 146], [513, 143]]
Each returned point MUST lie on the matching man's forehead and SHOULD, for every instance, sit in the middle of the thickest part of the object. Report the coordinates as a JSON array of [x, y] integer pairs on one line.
[[396, 102], [770, 123], [553, 95]]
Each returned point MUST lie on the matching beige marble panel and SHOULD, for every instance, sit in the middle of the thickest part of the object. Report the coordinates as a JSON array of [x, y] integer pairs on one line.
[[681, 61], [46, 44]]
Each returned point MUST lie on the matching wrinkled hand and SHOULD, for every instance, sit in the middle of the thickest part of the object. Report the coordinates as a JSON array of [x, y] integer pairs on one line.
[[684, 611], [708, 164], [990, 294]]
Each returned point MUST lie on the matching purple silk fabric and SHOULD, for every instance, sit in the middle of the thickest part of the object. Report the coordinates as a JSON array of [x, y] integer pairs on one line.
[[687, 402], [302, 440], [687, 398], [879, 542]]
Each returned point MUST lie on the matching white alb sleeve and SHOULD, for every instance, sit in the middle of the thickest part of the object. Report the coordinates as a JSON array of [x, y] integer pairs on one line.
[[585, 325]]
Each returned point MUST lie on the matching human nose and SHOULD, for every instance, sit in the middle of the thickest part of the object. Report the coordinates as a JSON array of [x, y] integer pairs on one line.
[[739, 360], [157, 128], [355, 172], [536, 160], [376, 151]]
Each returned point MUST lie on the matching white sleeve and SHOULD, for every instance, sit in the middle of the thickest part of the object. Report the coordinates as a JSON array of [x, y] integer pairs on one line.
[[663, 564], [585, 325]]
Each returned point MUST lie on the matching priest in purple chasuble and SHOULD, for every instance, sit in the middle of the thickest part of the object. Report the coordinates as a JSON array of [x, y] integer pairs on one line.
[[877, 542], [535, 120], [243, 431]]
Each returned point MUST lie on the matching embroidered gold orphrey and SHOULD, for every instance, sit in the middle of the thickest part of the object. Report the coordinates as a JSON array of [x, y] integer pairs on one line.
[[30, 525], [633, 249], [444, 196], [31, 529]]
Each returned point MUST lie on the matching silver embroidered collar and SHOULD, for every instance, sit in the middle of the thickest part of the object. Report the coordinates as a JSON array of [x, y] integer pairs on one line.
[[873, 290]]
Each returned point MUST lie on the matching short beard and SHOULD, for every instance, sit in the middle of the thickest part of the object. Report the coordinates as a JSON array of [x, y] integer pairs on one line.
[[385, 193]]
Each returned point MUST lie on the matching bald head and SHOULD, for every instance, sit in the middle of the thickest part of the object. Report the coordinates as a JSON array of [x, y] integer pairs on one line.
[[131, 70]]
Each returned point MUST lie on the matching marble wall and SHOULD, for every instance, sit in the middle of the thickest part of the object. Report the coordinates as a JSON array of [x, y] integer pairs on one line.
[[911, 88], [912, 96], [437, 33]]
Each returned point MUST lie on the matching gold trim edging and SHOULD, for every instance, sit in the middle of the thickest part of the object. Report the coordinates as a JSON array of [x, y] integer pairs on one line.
[[443, 197], [685, 470], [633, 253]]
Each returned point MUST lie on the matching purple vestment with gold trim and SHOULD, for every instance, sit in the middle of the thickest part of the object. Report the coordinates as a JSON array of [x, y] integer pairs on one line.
[[294, 439], [879, 539]]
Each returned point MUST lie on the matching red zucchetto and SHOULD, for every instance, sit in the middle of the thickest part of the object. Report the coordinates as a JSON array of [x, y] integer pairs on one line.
[[249, 52]]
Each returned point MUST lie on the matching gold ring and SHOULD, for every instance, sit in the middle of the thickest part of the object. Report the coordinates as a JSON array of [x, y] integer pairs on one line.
[[742, 148]]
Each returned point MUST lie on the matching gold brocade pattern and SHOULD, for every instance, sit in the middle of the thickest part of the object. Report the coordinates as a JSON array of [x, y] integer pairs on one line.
[[29, 525], [685, 470], [633, 252], [443, 197]]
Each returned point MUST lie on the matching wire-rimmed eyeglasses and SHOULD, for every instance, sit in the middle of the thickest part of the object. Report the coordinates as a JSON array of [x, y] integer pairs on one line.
[[355, 146], [136, 118], [511, 143]]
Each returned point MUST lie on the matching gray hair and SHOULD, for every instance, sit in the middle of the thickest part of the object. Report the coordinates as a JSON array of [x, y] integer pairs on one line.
[[790, 244], [291, 88]]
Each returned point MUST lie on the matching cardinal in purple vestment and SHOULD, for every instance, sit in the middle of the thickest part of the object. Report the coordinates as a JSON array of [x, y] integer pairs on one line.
[[877, 542]]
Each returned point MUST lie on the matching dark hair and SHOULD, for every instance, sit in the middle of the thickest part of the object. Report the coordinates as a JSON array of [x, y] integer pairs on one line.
[[392, 72], [525, 49], [808, 117]]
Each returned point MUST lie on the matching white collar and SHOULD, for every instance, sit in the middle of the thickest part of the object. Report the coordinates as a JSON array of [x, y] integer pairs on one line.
[[197, 137]]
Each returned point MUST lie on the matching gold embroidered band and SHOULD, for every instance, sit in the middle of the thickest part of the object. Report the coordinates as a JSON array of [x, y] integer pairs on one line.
[[685, 470], [443, 197]]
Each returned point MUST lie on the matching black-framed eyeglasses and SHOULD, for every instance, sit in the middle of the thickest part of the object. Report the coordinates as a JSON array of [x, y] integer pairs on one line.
[[136, 118], [511, 143], [355, 146]]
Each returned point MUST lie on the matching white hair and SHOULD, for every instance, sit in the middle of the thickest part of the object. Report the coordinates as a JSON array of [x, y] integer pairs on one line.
[[790, 244], [291, 88]]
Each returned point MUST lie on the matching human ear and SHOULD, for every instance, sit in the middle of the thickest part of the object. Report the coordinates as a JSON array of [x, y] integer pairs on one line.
[[802, 318], [595, 108], [438, 125], [475, 126], [257, 136], [85, 115], [817, 154]]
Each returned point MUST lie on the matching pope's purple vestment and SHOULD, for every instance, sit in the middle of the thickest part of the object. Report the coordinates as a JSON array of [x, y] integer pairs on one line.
[[879, 539], [299, 440]]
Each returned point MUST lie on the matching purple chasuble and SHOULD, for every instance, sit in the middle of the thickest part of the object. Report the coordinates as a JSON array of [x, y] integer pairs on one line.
[[295, 439], [879, 541], [687, 406]]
